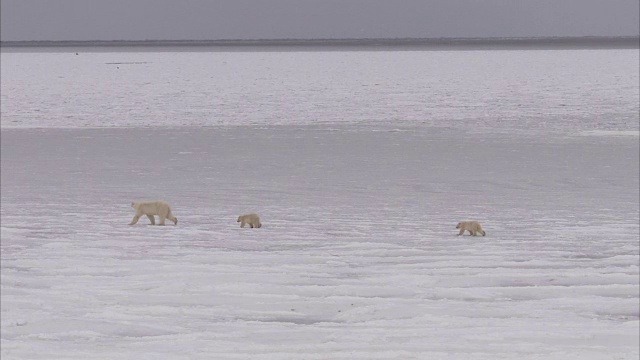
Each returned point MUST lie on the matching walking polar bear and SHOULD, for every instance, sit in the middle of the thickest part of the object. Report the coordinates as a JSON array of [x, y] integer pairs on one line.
[[151, 209], [252, 219], [473, 227]]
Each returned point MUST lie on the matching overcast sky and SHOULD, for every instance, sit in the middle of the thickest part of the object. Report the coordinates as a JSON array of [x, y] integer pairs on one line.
[[274, 19]]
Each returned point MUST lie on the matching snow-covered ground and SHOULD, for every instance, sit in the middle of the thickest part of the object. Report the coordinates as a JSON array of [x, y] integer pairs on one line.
[[358, 256], [522, 91]]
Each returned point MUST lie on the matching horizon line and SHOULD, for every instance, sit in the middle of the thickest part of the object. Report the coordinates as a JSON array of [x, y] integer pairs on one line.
[[608, 41]]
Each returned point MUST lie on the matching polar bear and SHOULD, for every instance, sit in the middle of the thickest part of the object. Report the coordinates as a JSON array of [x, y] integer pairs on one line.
[[473, 227], [252, 219], [152, 208]]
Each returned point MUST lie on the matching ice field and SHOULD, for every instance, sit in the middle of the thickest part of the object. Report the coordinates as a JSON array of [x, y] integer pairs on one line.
[[360, 165]]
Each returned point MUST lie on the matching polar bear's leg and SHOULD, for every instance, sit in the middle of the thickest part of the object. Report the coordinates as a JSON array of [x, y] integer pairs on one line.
[[242, 223], [251, 224], [152, 219], [162, 217], [136, 217], [461, 232], [474, 233], [172, 218]]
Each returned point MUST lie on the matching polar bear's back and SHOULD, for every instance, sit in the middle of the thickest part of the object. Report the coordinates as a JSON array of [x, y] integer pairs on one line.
[[152, 207], [472, 225], [249, 217]]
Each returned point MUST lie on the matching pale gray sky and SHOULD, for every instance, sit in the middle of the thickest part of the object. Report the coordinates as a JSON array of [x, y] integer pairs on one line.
[[301, 19]]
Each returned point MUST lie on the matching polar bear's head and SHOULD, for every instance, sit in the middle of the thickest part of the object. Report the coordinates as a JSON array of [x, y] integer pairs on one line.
[[458, 226], [239, 218], [134, 204]]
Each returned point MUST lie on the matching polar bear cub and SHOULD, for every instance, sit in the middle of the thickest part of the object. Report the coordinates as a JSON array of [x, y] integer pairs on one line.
[[252, 219], [473, 227], [151, 209]]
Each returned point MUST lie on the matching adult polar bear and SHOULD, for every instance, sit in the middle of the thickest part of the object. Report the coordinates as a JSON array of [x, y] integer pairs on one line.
[[252, 219], [152, 208], [473, 227]]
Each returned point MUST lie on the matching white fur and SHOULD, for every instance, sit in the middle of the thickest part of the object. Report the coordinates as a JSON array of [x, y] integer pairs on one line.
[[252, 219], [473, 227], [151, 209]]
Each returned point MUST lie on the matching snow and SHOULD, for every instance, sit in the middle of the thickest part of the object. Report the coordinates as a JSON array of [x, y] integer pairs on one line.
[[610, 133], [358, 256], [482, 92]]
